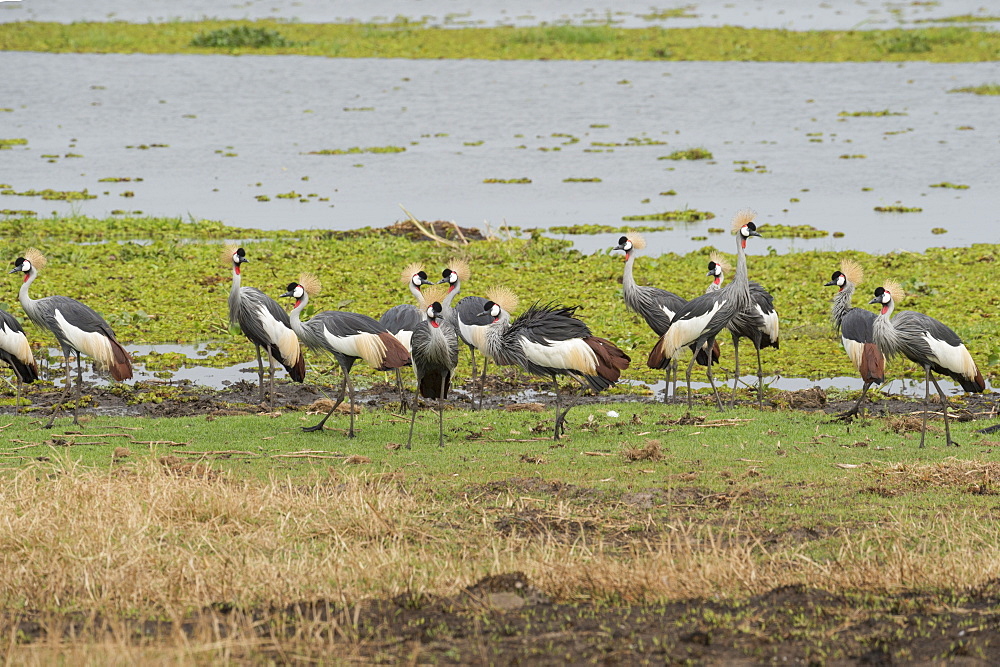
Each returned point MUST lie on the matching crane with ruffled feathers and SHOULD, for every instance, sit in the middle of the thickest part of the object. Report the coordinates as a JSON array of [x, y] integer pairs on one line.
[[467, 317], [550, 341], [654, 305], [77, 328], [856, 327], [347, 337], [434, 350], [928, 343], [702, 318], [758, 322], [265, 324], [403, 319]]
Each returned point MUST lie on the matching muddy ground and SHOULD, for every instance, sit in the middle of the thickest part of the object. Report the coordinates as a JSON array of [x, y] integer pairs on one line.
[[510, 392], [504, 620]]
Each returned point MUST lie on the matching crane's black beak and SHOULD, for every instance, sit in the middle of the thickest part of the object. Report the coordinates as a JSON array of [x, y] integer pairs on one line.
[[618, 247], [711, 273], [443, 280], [14, 270], [829, 284], [286, 294], [875, 299], [754, 232]]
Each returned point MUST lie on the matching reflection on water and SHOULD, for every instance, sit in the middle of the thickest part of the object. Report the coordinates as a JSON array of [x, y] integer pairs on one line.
[[212, 136]]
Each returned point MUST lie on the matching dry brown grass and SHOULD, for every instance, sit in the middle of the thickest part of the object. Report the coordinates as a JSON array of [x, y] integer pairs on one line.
[[146, 542]]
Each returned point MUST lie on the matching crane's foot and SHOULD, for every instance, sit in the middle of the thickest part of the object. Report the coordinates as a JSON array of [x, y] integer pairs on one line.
[[317, 427]]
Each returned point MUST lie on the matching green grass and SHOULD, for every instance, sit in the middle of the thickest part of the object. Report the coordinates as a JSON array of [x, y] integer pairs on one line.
[[407, 39]]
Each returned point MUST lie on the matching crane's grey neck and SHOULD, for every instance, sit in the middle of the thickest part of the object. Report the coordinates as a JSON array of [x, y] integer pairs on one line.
[[293, 315], [234, 296], [494, 335], [628, 280], [29, 304], [842, 303], [885, 333], [740, 285], [448, 313], [415, 291]]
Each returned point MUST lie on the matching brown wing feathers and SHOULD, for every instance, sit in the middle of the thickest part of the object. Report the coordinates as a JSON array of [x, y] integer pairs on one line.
[[121, 364], [396, 354], [611, 361]]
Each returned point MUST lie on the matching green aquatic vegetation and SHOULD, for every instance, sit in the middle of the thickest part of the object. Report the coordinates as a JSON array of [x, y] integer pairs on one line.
[[51, 195], [898, 208], [775, 231], [24, 213], [146, 147], [6, 144], [939, 230], [262, 198], [582, 180], [408, 39], [856, 156], [119, 179], [951, 186], [241, 37], [354, 150], [961, 18], [689, 154], [517, 181], [870, 114], [355, 109], [473, 143], [674, 13], [668, 193], [686, 215], [984, 89], [576, 230]]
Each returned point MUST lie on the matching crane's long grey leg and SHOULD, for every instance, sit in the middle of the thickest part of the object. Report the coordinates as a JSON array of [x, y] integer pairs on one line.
[[555, 434], [340, 399], [944, 402], [79, 384], [927, 402], [270, 380], [260, 373], [444, 380], [482, 382], [57, 408], [736, 380], [409, 439], [690, 366], [402, 394], [350, 388], [853, 411], [17, 399], [760, 381], [666, 381]]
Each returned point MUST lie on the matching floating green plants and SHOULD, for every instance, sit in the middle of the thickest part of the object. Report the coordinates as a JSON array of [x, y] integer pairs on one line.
[[668, 193], [897, 208], [354, 150], [686, 215], [473, 143], [689, 154], [939, 230], [51, 195], [517, 181], [146, 147], [985, 89], [870, 114], [581, 180], [952, 186], [7, 144], [241, 37], [772, 231], [854, 156], [119, 179]]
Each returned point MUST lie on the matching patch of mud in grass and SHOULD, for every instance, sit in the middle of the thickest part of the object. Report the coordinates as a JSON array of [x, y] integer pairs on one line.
[[504, 619]]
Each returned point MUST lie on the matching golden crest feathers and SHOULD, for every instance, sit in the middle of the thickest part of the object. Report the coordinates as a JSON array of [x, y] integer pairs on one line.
[[717, 257], [637, 239], [461, 267], [742, 217], [310, 284], [893, 288], [410, 271], [852, 271], [432, 293], [228, 250], [35, 256], [503, 297]]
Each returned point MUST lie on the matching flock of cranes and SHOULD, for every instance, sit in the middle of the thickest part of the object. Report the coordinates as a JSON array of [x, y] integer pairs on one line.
[[545, 340]]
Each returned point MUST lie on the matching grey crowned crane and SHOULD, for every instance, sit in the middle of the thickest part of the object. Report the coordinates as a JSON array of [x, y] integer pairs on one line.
[[550, 341], [77, 328], [15, 350], [346, 336], [856, 327], [265, 323], [758, 322], [654, 305], [468, 318], [927, 343], [704, 317], [434, 351], [403, 319]]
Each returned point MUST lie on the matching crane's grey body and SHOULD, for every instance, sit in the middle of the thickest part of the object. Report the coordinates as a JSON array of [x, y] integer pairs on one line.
[[856, 327], [549, 341], [928, 343], [469, 322], [434, 353], [265, 324], [401, 320], [77, 328], [347, 337]]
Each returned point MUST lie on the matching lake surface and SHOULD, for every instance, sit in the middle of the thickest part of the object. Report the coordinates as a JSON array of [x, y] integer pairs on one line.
[[789, 14], [209, 135]]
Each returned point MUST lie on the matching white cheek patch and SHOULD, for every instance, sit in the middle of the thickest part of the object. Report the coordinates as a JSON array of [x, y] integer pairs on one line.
[[298, 292]]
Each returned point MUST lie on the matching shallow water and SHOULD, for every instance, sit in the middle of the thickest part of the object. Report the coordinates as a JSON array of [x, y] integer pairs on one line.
[[220, 130], [789, 14]]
